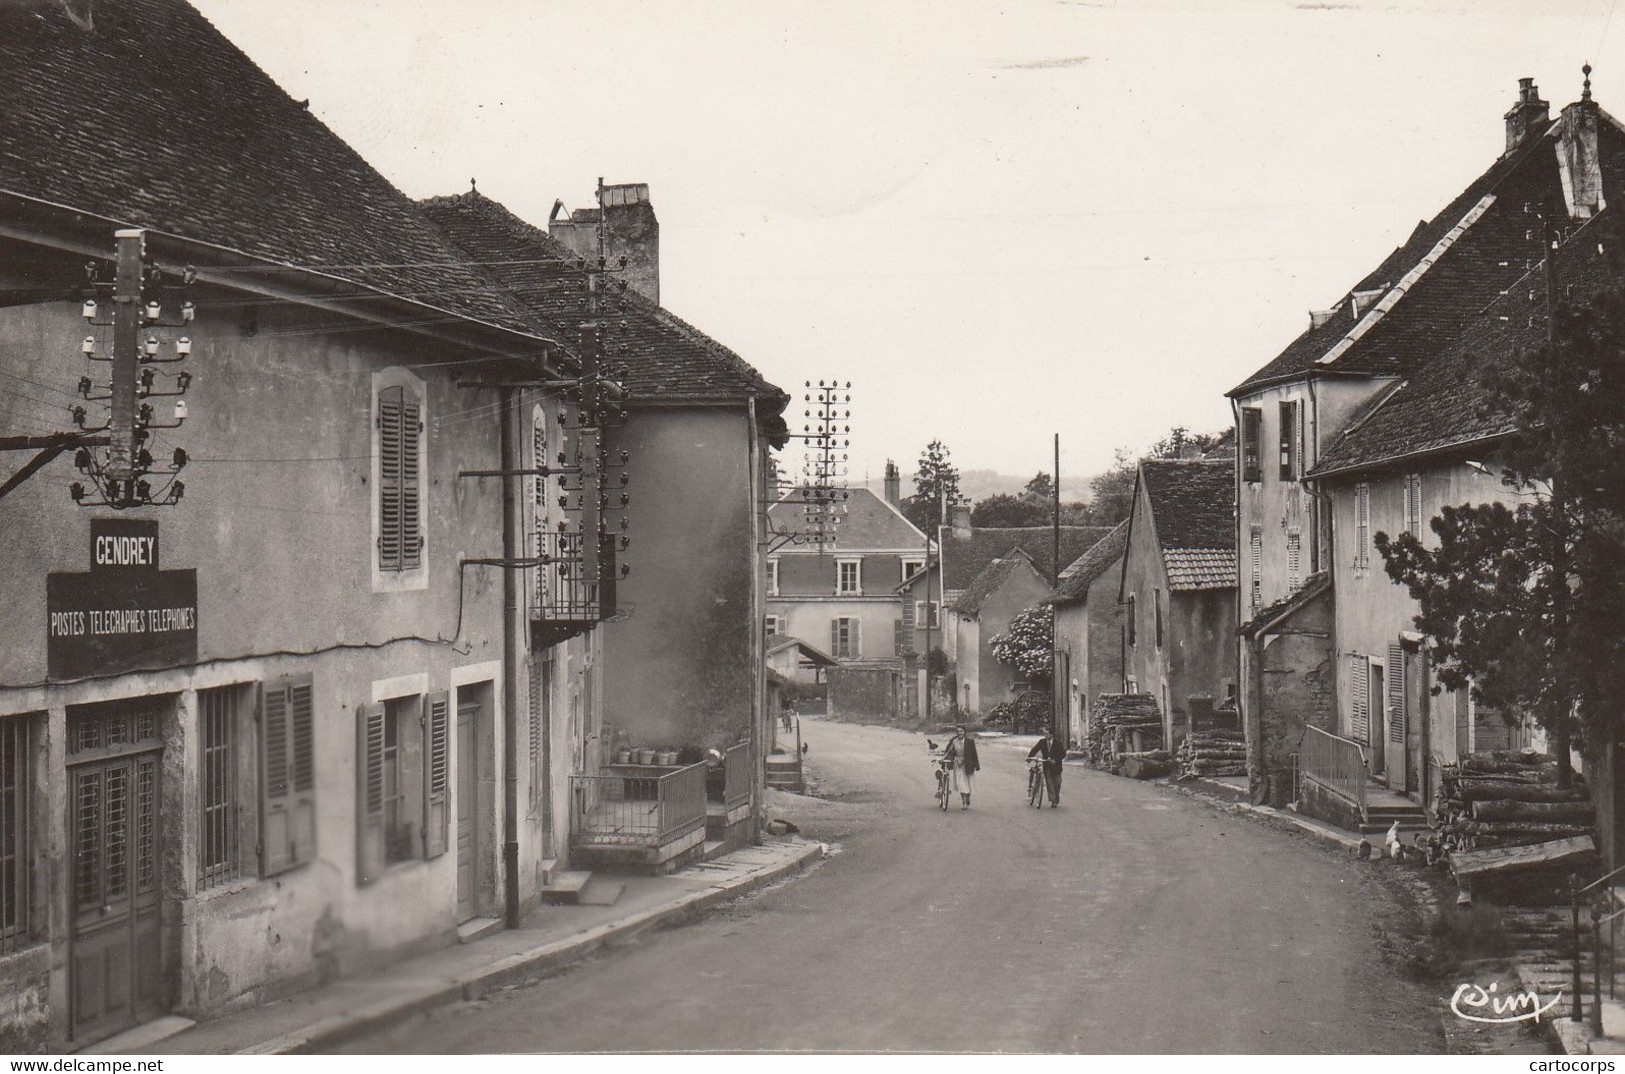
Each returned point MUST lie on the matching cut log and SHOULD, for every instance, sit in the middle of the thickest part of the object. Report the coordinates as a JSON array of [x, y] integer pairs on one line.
[[1487, 766], [1145, 768], [1535, 812], [1486, 790], [1471, 863], [1518, 827], [1219, 755]]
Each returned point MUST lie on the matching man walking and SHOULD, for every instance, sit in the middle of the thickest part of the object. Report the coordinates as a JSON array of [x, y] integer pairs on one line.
[[1051, 752]]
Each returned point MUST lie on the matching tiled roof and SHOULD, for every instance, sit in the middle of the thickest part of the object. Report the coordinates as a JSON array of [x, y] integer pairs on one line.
[[1311, 588], [156, 120], [1192, 507], [1444, 280], [966, 556], [987, 583], [1445, 404], [866, 522], [1200, 568], [665, 356], [1103, 555]]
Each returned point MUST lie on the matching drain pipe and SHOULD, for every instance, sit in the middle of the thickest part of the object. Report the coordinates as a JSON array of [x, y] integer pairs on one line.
[[511, 662]]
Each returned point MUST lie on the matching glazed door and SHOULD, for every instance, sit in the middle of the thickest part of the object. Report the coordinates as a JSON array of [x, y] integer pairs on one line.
[[467, 799], [115, 975]]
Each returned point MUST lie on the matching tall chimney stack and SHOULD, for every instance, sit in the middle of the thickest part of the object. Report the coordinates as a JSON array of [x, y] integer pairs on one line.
[[631, 231], [959, 519], [894, 484], [1581, 168], [1529, 113]]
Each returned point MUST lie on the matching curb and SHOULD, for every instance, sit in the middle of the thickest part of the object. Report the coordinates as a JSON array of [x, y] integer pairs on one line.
[[338, 1029], [1281, 818]]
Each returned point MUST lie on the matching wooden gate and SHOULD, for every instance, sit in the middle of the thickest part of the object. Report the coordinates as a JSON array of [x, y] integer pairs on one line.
[[116, 976]]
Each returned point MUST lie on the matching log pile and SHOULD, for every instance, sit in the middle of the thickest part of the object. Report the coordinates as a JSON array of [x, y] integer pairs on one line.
[[1147, 764], [1213, 753], [1123, 724], [1508, 799]]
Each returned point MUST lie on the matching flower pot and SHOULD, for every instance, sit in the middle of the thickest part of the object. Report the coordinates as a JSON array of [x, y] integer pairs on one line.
[[668, 757], [623, 756], [646, 757]]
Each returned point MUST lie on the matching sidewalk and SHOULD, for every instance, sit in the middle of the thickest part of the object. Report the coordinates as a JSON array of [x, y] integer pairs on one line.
[[552, 936]]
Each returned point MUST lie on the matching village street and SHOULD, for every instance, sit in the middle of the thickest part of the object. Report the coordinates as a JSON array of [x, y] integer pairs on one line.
[[1131, 919]]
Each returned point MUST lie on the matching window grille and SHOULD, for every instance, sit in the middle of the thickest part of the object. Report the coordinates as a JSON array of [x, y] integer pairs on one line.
[[217, 787], [15, 874]]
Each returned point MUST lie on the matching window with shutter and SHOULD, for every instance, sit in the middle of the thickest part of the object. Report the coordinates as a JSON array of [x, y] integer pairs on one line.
[[1156, 611], [1289, 440], [1396, 694], [400, 435], [1294, 560], [370, 780], [1413, 504], [1256, 550], [1252, 431], [541, 519], [541, 691], [1132, 623], [899, 638], [287, 775], [1359, 698], [436, 773]]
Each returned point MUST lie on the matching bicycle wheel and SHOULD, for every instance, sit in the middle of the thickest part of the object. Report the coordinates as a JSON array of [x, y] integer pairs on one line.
[[1035, 789], [943, 789]]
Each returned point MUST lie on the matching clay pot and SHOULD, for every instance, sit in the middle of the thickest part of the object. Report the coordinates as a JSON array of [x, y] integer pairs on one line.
[[623, 756], [646, 757]]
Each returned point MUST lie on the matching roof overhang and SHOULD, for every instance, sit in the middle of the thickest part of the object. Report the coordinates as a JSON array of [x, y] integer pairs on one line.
[[86, 234], [1404, 461]]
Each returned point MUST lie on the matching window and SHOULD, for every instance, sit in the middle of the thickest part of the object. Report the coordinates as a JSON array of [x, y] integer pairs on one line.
[[287, 775], [541, 704], [1156, 611], [1362, 526], [919, 614], [1360, 698], [15, 873], [1413, 504], [845, 638], [1294, 560], [1132, 633], [774, 624], [217, 786], [1252, 431], [400, 434], [1289, 440], [403, 748], [543, 544], [773, 577], [911, 567], [1256, 550], [849, 576]]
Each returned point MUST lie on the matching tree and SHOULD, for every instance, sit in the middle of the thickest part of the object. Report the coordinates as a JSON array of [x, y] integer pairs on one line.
[[936, 486], [1029, 645], [1525, 605], [1041, 488], [1004, 509], [1113, 491]]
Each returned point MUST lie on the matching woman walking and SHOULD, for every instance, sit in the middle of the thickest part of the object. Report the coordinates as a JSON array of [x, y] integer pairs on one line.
[[962, 752]]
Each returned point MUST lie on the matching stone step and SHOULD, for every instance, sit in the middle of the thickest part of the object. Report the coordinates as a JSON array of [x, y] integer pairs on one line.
[[475, 927], [566, 888]]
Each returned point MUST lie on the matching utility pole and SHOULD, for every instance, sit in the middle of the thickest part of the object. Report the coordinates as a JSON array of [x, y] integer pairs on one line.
[[126, 331], [942, 501], [1550, 238]]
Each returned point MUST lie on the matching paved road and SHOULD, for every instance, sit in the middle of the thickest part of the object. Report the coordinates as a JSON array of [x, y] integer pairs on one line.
[[1131, 919]]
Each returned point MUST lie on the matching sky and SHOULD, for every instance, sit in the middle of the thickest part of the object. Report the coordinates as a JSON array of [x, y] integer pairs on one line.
[[999, 221]]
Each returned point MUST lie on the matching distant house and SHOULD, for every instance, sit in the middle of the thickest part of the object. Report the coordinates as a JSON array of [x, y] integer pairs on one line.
[[1178, 587], [841, 596], [1089, 628]]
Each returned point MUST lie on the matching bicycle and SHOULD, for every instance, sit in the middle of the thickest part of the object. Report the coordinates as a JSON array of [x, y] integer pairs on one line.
[[945, 782], [1036, 781]]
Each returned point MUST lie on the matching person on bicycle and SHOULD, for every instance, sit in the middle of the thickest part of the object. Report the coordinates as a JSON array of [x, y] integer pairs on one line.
[[961, 751], [1050, 751]]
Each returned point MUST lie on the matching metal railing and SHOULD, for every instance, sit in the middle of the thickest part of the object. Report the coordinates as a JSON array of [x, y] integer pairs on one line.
[[570, 585], [1335, 763], [615, 810]]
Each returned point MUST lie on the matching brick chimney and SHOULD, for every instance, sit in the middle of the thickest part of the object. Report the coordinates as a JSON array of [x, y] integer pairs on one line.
[[959, 519], [631, 231], [1580, 166], [1529, 113], [894, 484]]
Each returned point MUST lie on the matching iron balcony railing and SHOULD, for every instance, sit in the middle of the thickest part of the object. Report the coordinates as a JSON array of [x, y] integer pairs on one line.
[[1335, 763], [568, 586], [642, 811]]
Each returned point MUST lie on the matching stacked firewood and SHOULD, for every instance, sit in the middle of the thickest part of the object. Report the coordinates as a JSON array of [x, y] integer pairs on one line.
[[1124, 724], [1213, 753], [1506, 799]]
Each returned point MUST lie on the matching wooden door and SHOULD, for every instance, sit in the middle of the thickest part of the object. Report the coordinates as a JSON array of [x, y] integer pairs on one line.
[[1376, 703], [467, 811], [1416, 728], [116, 979], [1395, 705]]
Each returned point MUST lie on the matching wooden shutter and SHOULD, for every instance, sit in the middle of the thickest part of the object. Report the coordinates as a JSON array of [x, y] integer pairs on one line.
[[899, 645], [287, 775], [1289, 440], [436, 773], [1294, 560], [911, 613], [1252, 421], [1396, 693], [855, 643], [400, 529], [1256, 550], [1413, 504], [835, 638], [369, 829], [1360, 696]]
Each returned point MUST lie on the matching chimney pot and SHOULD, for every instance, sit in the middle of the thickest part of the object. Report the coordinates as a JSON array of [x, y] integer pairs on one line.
[[959, 518], [1529, 113]]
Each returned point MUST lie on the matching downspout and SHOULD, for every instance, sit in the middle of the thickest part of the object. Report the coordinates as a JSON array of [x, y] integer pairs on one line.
[[1252, 684], [758, 604], [511, 663]]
